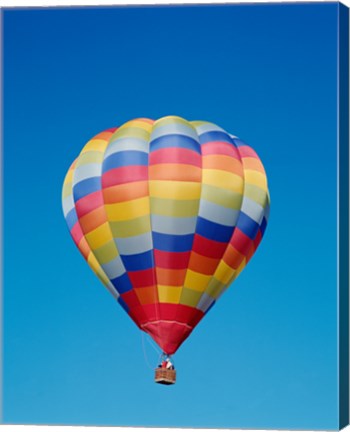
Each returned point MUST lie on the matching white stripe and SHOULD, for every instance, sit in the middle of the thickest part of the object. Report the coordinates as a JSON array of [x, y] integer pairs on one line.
[[173, 225], [122, 144], [67, 204], [204, 302], [252, 209], [208, 127], [83, 172], [173, 128], [134, 245], [114, 268], [217, 213]]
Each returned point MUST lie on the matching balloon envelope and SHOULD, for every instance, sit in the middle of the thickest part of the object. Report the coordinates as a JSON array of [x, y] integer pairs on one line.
[[167, 213]]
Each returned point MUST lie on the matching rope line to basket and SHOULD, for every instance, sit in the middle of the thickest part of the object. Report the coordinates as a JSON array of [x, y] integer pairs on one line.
[[144, 352]]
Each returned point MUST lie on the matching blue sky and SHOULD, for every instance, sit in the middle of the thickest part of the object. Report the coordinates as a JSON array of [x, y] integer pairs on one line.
[[266, 73]]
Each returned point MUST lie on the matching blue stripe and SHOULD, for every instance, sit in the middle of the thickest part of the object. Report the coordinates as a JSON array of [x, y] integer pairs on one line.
[[214, 136], [238, 143], [123, 304], [71, 218], [263, 225], [175, 140], [124, 158], [247, 225], [141, 261], [213, 231], [210, 307], [86, 187], [122, 283], [172, 243]]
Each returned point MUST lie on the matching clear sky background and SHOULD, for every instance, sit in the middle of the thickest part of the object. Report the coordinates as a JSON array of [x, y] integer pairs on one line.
[[266, 355]]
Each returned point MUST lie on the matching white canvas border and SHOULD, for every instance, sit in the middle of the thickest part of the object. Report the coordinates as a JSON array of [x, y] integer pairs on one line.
[[62, 3]]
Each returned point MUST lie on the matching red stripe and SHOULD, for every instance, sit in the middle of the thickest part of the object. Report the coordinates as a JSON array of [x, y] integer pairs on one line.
[[257, 239], [138, 315], [175, 155], [219, 147], [142, 278], [180, 313], [124, 175], [150, 311], [240, 241], [208, 248], [171, 260], [130, 298], [88, 203]]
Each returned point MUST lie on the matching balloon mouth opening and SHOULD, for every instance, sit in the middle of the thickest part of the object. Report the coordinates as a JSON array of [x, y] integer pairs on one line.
[[168, 335]]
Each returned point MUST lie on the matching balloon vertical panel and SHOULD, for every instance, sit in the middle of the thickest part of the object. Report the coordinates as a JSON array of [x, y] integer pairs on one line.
[[175, 183]]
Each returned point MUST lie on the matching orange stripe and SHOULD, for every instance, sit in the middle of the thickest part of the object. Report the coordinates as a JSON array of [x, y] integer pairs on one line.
[[202, 264], [170, 276], [253, 164], [147, 295], [145, 120], [125, 192], [232, 257], [84, 248], [93, 220], [178, 172], [105, 135], [73, 164], [222, 162]]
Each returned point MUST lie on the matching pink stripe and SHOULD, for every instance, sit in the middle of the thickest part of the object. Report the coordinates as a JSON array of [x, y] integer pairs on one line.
[[76, 233], [220, 148], [88, 203], [175, 155], [124, 175], [246, 151]]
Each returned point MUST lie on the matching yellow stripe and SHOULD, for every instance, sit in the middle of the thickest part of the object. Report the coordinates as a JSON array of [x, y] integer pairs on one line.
[[135, 124], [223, 179], [181, 190], [190, 297], [169, 294], [66, 190], [222, 197], [132, 227], [99, 236], [174, 208], [106, 253], [95, 145], [256, 178], [224, 273], [90, 157], [96, 268], [196, 281], [215, 288], [197, 123], [69, 176], [128, 210], [238, 271], [171, 120], [255, 193], [129, 131]]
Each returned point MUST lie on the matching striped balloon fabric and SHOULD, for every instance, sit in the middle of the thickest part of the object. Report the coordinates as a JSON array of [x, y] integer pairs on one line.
[[167, 213]]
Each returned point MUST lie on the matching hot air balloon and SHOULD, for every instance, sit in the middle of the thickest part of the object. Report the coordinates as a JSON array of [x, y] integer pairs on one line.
[[167, 213]]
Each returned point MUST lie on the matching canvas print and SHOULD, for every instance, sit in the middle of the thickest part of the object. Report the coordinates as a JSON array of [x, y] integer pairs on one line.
[[175, 205]]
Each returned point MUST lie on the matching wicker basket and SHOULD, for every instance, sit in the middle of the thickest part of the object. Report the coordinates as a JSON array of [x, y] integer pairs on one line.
[[165, 376]]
